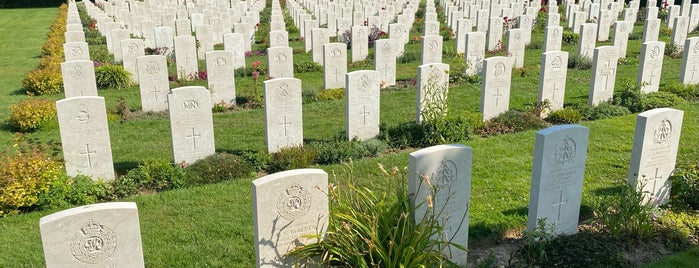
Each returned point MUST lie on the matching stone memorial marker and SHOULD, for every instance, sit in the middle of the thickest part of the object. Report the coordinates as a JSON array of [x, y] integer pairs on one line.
[[74, 36], [164, 38], [689, 72], [552, 79], [148, 33], [494, 33], [557, 177], [186, 57], [515, 47], [360, 43], [679, 32], [431, 49], [620, 39], [153, 82], [362, 104], [247, 32], [287, 206], [385, 61], [334, 65], [98, 235], [78, 78], [651, 66], [191, 123], [319, 37], [283, 113], [605, 19], [280, 62], [117, 36], [475, 52], [85, 137], [463, 27], [553, 38], [206, 37], [221, 77], [431, 28], [432, 91], [525, 23], [495, 88], [654, 152], [309, 25], [651, 30], [586, 43], [130, 50], [446, 169], [278, 39], [604, 65], [234, 42], [183, 27], [76, 51]]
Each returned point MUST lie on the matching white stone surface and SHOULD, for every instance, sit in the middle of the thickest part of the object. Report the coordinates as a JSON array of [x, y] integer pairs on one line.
[[283, 113], [280, 62], [385, 61], [130, 50], [360, 43], [552, 79], [234, 42], [334, 65], [220, 75], [689, 72], [76, 51], [495, 88], [191, 123], [78, 78], [475, 52], [651, 66], [604, 69], [433, 89], [553, 38], [362, 104], [153, 82], [431, 49], [187, 65]]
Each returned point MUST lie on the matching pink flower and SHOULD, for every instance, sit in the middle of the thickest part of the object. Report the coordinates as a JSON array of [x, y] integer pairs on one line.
[[255, 75], [256, 64]]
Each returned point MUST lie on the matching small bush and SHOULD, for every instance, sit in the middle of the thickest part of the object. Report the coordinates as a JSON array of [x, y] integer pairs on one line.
[[570, 37], [331, 94], [583, 249], [629, 97], [32, 114], [688, 92], [623, 215], [404, 135], [673, 50], [307, 67], [216, 168], [603, 110], [112, 77], [77, 191], [579, 62], [659, 99], [343, 151], [43, 81], [291, 158], [409, 57], [685, 187], [151, 176], [679, 228], [526, 71], [521, 121], [565, 116], [100, 55]]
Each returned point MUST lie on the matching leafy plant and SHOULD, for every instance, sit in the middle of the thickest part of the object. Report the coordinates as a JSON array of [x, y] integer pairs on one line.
[[32, 114], [685, 187], [688, 92], [602, 110], [624, 215], [291, 158], [110, 76], [579, 62], [153, 176], [216, 168], [331, 94], [343, 150], [307, 67], [565, 116]]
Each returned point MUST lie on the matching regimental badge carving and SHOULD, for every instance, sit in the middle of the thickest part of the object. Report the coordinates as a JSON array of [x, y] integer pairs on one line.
[[622, 27], [433, 45], [133, 47], [653, 25], [78, 71], [82, 117], [361, 32], [93, 243], [556, 33], [220, 61], [365, 81], [565, 153], [280, 57], [663, 132], [283, 90], [190, 104], [518, 36], [499, 69], [152, 67], [654, 52], [557, 62], [279, 38], [445, 175], [696, 47], [336, 53], [386, 48], [435, 75], [293, 202], [76, 51]]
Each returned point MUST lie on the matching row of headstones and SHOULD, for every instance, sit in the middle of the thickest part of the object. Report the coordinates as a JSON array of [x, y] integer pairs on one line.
[[439, 179]]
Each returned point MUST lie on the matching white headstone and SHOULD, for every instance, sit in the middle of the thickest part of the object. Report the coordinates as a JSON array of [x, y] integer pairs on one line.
[[98, 235], [463, 27], [85, 137], [79, 78], [360, 43], [278, 39], [234, 42], [495, 88], [651, 66], [586, 42], [186, 57], [362, 104], [620, 39], [334, 65], [557, 177], [689, 72], [221, 77], [654, 152], [164, 38], [679, 31], [431, 49], [651, 30], [191, 123], [385, 61], [287, 206], [442, 174], [475, 52], [130, 50], [76, 51], [495, 33], [515, 47], [153, 82], [319, 37], [283, 113], [74, 36], [280, 62], [604, 66], [553, 38], [552, 79], [433, 89]]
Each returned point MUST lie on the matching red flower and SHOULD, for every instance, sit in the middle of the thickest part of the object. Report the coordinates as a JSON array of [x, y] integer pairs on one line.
[[256, 64]]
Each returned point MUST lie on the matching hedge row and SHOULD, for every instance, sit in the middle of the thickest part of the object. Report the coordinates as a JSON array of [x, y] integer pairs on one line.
[[46, 78], [30, 3]]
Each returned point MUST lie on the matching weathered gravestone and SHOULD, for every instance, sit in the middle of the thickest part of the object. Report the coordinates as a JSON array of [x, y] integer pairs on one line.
[[430, 49], [651, 30], [76, 51], [553, 38], [689, 72], [552, 80], [283, 113], [85, 137], [99, 235], [362, 104], [153, 82], [432, 91], [557, 177], [234, 42], [117, 36], [679, 32], [604, 64], [221, 77], [385, 61], [620, 39], [586, 42], [164, 39], [191, 123], [651, 66], [334, 65], [186, 57], [278, 39], [442, 174], [654, 152], [319, 37], [495, 88], [130, 50], [79, 78], [463, 27], [515, 47], [287, 206], [360, 43], [494, 33], [74, 36], [475, 52], [280, 62]]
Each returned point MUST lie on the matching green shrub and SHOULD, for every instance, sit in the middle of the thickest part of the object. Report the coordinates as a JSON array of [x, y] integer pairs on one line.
[[343, 151], [679, 228], [565, 116], [630, 97], [100, 54], [623, 215], [577, 61], [291, 158], [583, 249], [43, 81], [112, 77], [602, 110], [659, 99], [257, 160], [76, 191], [307, 67], [216, 168], [688, 92], [526, 71], [570, 37], [362, 64], [685, 187], [521, 121], [673, 50], [32, 114], [153, 176], [94, 37], [409, 57], [404, 135], [331, 94]]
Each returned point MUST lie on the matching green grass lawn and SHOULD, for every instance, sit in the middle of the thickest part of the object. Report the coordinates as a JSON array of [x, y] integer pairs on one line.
[[212, 225]]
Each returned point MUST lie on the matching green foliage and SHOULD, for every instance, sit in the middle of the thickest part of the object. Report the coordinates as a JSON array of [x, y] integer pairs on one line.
[[216, 168], [25, 174], [362, 64], [409, 57], [291, 158], [152, 176], [518, 121], [32, 114], [46, 78], [579, 62], [338, 151], [526, 71], [43, 81], [75, 191], [624, 215], [583, 249], [673, 50], [570, 37], [685, 187], [100, 54], [371, 229], [536, 242], [307, 67], [679, 228], [602, 110], [112, 77], [457, 72], [659, 99], [565, 116], [629, 97], [688, 92], [331, 94]]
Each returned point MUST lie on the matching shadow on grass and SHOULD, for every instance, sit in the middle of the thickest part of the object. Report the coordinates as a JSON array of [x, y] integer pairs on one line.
[[607, 191], [121, 168]]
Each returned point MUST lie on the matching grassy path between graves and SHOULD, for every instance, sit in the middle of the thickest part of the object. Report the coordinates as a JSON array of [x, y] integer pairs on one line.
[[212, 225]]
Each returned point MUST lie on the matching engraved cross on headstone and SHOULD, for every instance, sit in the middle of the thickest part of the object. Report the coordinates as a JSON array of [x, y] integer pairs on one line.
[[655, 181], [155, 92], [553, 91], [560, 203], [694, 70], [497, 96], [364, 113], [385, 69], [186, 58], [88, 153], [194, 138], [285, 124], [606, 72], [337, 74], [651, 76]]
